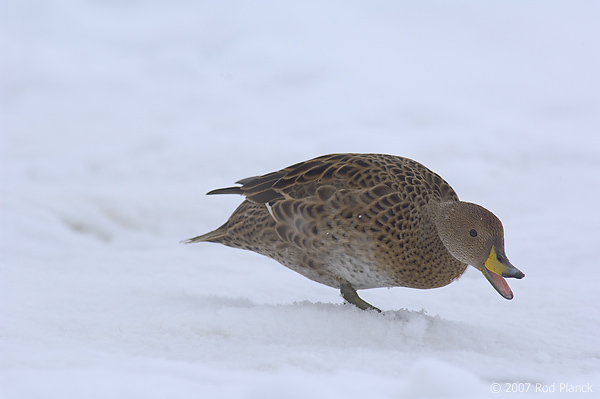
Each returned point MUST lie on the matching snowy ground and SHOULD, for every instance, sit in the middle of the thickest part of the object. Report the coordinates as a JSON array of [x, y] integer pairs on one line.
[[116, 118]]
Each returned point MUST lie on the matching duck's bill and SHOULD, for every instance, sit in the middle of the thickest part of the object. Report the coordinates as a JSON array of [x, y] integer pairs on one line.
[[495, 271], [498, 282]]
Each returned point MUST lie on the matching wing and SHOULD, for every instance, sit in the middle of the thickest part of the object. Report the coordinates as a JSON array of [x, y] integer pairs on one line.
[[342, 172]]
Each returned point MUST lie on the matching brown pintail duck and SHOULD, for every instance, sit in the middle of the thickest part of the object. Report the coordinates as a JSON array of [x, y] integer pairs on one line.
[[358, 221]]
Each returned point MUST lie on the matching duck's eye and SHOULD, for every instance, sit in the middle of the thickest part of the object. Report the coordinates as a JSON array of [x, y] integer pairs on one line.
[[473, 233]]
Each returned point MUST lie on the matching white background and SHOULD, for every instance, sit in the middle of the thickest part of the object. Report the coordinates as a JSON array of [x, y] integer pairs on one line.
[[117, 116]]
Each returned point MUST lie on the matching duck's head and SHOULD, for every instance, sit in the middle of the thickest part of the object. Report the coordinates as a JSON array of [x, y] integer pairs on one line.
[[475, 236]]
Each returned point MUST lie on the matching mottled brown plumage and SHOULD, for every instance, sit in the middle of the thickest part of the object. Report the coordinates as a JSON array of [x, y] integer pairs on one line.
[[357, 221]]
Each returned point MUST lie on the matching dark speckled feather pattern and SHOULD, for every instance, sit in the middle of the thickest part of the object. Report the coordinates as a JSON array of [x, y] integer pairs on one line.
[[361, 219]]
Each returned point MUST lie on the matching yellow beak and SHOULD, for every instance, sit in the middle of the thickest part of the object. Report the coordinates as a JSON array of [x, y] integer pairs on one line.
[[501, 266], [495, 268]]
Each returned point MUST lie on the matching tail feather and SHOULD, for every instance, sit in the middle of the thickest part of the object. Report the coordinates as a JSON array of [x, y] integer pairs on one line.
[[221, 232], [213, 236]]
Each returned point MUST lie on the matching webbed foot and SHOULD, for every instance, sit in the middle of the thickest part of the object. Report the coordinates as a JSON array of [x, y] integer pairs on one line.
[[351, 296]]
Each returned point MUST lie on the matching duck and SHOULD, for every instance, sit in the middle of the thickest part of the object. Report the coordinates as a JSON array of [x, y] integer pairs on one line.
[[359, 221]]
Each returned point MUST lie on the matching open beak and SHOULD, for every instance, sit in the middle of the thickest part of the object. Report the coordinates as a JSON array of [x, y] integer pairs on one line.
[[496, 268]]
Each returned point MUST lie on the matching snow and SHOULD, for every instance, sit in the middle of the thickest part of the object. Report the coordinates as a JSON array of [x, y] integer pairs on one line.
[[117, 117]]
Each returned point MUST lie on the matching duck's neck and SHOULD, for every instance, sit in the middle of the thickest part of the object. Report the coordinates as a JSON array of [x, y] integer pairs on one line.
[[437, 212]]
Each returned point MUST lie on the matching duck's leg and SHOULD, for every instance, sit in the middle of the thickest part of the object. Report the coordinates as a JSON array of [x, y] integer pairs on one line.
[[350, 295]]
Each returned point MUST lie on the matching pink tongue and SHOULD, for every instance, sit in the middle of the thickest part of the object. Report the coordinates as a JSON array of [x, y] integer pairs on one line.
[[500, 284]]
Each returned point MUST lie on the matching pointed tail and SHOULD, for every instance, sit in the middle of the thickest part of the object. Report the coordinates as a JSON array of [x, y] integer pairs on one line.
[[213, 236]]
